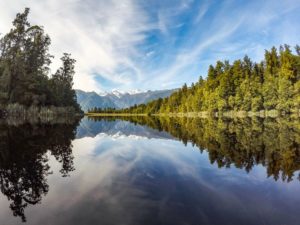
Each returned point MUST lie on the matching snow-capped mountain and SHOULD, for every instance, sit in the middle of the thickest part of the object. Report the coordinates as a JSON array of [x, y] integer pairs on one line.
[[119, 94], [118, 99]]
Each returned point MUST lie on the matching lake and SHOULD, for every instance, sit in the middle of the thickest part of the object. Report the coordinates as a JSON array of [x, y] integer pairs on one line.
[[150, 170]]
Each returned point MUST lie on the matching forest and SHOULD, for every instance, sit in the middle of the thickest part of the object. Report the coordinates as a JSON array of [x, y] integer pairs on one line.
[[26, 85], [242, 86]]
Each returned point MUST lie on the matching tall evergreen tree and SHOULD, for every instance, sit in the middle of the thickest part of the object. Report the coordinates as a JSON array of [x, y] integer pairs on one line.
[[24, 69], [273, 84]]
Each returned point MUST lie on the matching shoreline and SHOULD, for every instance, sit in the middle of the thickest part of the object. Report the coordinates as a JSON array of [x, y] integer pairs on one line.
[[116, 114], [20, 111], [205, 114]]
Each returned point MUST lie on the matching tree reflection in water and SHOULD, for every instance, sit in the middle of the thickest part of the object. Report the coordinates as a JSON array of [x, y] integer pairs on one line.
[[242, 142], [24, 160]]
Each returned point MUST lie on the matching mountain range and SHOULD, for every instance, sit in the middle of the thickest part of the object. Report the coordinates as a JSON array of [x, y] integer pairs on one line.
[[118, 99]]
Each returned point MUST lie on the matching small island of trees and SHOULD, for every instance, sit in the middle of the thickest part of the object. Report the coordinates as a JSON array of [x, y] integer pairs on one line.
[[26, 87]]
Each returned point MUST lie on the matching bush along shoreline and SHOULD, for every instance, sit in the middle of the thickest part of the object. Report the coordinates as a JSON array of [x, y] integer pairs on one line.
[[20, 111], [27, 87]]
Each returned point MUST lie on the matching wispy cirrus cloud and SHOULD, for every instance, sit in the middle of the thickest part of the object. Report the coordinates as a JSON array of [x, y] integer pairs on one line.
[[203, 8], [156, 44], [101, 35], [228, 30]]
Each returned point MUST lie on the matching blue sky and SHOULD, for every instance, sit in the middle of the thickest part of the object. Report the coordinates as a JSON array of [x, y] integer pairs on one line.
[[155, 44]]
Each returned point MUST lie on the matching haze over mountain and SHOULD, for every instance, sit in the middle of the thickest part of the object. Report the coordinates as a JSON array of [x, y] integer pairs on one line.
[[117, 99]]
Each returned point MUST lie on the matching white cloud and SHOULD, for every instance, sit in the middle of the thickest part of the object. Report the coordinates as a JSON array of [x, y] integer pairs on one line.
[[202, 10], [162, 23], [217, 38], [109, 38], [101, 35], [192, 53]]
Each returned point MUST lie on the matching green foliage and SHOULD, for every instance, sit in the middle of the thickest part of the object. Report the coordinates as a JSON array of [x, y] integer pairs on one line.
[[273, 84], [24, 69]]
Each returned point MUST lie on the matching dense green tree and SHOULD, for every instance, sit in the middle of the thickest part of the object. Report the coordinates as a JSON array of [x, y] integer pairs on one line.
[[272, 84], [62, 82], [24, 69]]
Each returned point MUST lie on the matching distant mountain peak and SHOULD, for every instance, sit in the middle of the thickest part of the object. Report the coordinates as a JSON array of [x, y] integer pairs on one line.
[[118, 99], [135, 91], [119, 93]]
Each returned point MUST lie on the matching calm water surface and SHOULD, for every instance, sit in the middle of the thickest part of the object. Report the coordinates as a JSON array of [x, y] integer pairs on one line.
[[150, 171]]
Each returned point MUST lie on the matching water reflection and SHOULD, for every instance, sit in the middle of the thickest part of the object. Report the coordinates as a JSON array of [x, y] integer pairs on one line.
[[91, 127], [24, 159], [244, 143], [151, 170]]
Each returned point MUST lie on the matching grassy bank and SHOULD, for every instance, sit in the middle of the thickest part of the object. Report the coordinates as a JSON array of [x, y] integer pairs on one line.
[[17, 121], [12, 111]]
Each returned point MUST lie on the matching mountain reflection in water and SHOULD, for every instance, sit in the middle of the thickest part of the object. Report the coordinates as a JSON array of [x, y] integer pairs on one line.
[[135, 170], [244, 143]]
